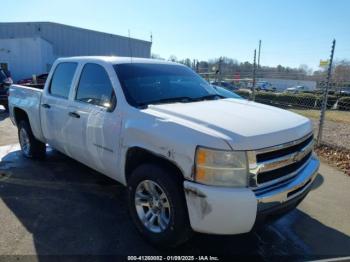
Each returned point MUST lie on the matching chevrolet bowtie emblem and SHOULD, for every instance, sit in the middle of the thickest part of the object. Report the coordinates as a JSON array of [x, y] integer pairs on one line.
[[298, 156]]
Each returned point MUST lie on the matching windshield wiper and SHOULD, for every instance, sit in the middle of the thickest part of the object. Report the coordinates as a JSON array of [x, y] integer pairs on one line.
[[209, 97], [181, 99]]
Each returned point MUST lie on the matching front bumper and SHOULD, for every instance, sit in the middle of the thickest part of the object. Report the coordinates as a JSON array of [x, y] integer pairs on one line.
[[221, 210]]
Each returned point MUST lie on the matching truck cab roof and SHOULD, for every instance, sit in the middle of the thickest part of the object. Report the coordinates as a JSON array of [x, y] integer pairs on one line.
[[114, 60]]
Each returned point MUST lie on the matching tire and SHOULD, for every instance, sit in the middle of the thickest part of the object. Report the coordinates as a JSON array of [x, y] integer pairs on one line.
[[30, 146], [174, 229]]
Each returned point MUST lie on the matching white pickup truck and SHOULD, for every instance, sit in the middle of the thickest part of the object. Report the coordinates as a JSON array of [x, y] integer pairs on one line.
[[191, 159]]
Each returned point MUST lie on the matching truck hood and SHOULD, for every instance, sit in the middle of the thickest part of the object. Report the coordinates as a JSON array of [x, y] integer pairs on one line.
[[243, 124]]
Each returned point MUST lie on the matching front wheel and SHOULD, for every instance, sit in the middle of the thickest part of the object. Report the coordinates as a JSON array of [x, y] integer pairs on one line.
[[30, 146], [157, 205]]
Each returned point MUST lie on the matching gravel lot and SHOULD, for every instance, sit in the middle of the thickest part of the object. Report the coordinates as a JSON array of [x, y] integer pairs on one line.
[[334, 133], [336, 129]]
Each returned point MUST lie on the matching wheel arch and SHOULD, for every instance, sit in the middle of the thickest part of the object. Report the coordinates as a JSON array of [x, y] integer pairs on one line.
[[136, 156], [33, 119], [19, 115]]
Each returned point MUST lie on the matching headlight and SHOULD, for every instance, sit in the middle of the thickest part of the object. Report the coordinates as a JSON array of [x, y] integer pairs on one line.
[[221, 168]]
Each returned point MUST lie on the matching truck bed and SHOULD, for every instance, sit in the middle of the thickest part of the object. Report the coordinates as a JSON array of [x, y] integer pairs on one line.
[[27, 99]]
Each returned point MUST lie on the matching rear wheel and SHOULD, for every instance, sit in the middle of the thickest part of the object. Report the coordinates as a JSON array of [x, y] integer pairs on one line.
[[157, 205], [31, 147]]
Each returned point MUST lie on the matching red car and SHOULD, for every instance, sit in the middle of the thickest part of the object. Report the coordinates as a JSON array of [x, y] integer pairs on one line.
[[41, 79]]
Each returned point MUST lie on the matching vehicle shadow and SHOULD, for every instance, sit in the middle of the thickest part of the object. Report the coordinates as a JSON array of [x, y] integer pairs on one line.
[[317, 182], [69, 209]]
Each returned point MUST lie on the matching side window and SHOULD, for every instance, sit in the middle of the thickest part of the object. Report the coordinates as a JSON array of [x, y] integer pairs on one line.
[[62, 79], [95, 87]]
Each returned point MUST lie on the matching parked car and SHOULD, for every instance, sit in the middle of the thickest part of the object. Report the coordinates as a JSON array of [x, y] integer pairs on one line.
[[40, 80], [298, 89], [344, 91], [226, 93], [265, 86], [5, 82], [227, 85], [191, 160]]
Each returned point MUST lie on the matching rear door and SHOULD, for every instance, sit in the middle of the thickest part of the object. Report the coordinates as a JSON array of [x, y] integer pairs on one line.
[[94, 123], [55, 103]]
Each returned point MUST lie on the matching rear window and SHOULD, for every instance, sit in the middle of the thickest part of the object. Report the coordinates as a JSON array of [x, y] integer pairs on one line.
[[62, 79]]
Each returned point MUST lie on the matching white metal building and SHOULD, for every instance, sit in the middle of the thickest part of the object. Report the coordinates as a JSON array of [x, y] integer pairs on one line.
[[31, 48], [282, 84]]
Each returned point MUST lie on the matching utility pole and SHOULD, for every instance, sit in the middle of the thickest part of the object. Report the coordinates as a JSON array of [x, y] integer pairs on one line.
[[254, 76], [259, 54], [208, 71], [325, 96], [219, 71]]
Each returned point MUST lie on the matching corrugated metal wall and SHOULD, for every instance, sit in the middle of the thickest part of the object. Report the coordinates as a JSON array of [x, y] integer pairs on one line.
[[73, 41], [26, 56]]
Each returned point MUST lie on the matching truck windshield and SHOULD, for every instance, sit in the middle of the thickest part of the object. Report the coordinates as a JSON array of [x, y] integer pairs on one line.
[[145, 84]]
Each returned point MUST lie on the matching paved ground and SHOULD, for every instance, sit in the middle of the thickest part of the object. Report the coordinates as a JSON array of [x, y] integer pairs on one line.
[[8, 133], [59, 206]]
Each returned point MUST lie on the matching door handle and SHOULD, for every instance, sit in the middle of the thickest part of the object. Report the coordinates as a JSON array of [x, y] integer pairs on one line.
[[74, 114], [46, 106]]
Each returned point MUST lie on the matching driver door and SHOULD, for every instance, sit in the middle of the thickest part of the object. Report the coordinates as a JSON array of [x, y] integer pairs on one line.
[[94, 121]]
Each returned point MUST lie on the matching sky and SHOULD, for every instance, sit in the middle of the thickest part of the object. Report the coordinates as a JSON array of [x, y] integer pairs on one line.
[[293, 32]]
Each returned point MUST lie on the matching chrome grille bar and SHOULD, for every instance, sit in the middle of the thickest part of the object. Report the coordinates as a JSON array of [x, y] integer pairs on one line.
[[276, 163], [287, 159], [283, 146]]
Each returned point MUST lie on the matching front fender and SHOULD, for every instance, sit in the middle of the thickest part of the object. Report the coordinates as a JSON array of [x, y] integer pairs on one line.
[[172, 141]]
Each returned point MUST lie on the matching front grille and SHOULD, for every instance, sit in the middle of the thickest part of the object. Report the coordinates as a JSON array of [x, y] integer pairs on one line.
[[279, 163], [282, 152], [283, 171]]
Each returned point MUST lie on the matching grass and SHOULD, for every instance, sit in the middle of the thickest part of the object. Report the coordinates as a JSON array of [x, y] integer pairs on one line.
[[331, 115]]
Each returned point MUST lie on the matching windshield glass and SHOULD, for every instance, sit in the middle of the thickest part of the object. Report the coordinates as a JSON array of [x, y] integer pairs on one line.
[[226, 93], [145, 84]]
